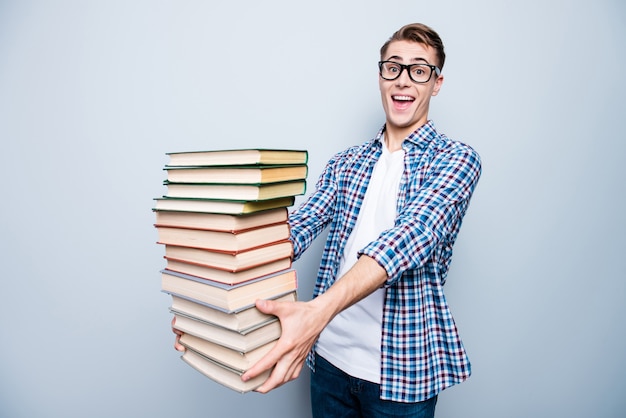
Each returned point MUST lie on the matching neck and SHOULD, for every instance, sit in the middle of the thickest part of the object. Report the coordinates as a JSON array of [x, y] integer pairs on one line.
[[393, 144], [395, 136]]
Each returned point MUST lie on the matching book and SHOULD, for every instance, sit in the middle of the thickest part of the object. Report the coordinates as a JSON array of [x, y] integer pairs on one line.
[[223, 240], [252, 192], [220, 222], [242, 321], [228, 298], [231, 260], [238, 156], [236, 360], [232, 207], [228, 277], [236, 174], [221, 374], [226, 337]]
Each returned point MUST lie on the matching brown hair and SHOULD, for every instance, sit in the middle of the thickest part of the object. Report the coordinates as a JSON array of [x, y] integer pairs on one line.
[[420, 33]]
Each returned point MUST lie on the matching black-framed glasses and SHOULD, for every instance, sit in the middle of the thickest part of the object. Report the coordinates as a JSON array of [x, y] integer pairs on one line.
[[418, 73]]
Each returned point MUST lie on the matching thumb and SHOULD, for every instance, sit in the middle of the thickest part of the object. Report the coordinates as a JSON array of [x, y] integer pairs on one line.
[[266, 306]]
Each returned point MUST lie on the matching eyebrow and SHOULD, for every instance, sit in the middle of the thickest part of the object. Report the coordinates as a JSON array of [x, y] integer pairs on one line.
[[395, 57]]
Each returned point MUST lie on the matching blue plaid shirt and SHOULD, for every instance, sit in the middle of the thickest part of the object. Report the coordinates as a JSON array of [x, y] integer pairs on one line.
[[422, 353]]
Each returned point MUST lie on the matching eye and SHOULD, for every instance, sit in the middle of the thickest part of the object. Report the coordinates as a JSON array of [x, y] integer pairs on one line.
[[419, 70]]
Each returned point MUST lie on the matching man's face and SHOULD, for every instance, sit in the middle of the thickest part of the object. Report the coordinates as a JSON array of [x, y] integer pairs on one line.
[[405, 102]]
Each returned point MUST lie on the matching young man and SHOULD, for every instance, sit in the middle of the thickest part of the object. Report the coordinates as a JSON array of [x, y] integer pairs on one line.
[[378, 334]]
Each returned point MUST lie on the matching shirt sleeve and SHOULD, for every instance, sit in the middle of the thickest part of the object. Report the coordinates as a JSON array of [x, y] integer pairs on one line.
[[312, 216], [433, 208]]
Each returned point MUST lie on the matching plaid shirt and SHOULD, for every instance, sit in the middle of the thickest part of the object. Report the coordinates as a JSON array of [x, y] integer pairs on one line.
[[422, 353]]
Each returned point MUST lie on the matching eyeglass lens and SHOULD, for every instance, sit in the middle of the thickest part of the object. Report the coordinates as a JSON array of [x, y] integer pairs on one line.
[[420, 73]]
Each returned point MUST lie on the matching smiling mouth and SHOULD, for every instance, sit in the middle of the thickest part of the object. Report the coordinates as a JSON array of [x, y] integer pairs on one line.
[[402, 102], [402, 98]]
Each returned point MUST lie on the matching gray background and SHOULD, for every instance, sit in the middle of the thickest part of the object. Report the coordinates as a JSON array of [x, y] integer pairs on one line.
[[93, 94]]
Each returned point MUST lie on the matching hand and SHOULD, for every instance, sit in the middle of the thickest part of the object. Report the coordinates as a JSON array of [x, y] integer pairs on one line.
[[301, 324], [177, 345]]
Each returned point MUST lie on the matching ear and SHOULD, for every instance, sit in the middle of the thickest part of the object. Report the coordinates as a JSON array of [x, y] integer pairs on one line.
[[438, 83]]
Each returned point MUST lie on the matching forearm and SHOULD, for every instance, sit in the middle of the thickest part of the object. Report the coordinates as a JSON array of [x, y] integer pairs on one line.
[[361, 280]]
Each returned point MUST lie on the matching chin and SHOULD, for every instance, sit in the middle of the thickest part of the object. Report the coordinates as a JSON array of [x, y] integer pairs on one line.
[[402, 124]]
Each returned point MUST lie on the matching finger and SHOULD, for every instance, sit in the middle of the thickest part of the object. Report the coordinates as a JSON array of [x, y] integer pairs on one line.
[[295, 370], [178, 346], [174, 329], [276, 379], [266, 306], [280, 375], [288, 368], [266, 363]]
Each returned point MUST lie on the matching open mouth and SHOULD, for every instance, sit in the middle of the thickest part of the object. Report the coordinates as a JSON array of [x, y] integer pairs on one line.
[[403, 98], [402, 102]]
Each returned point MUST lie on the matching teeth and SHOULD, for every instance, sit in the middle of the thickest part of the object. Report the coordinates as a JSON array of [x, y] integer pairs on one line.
[[402, 98]]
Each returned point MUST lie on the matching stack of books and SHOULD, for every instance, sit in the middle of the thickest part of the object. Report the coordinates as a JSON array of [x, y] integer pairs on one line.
[[223, 223]]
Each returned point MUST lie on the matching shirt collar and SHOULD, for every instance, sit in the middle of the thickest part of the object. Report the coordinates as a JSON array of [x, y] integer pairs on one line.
[[421, 137]]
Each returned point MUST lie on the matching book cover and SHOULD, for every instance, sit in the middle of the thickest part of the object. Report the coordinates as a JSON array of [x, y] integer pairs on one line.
[[223, 375], [236, 174], [231, 207], [225, 276], [246, 192], [238, 361], [231, 260], [228, 298], [220, 222], [223, 240], [226, 337], [243, 321], [238, 157]]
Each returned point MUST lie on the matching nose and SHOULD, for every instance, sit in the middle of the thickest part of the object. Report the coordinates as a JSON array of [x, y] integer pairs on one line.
[[403, 78]]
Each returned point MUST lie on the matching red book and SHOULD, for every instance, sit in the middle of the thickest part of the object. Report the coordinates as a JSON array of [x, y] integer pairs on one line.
[[228, 277], [228, 241], [220, 222], [232, 261]]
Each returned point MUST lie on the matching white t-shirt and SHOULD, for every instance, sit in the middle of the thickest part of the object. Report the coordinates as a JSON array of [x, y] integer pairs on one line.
[[351, 341]]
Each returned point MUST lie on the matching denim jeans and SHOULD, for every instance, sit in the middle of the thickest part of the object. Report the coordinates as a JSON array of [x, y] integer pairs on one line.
[[335, 394]]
